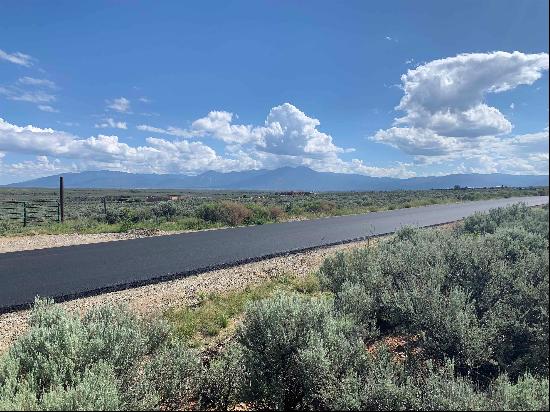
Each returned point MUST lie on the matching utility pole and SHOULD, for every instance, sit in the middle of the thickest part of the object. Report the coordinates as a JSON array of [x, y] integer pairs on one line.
[[61, 197]]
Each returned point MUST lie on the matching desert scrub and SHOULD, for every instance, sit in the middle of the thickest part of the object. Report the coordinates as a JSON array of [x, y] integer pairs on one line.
[[107, 360], [477, 294], [296, 354]]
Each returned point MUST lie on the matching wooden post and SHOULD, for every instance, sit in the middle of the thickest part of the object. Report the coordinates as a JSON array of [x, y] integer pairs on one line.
[[24, 214], [61, 197], [105, 205]]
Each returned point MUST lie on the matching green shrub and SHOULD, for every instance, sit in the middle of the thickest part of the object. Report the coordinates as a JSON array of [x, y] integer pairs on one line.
[[295, 353], [210, 212], [96, 391], [174, 372], [529, 393], [64, 362], [222, 380], [477, 295], [229, 213], [114, 335], [320, 206], [166, 210]]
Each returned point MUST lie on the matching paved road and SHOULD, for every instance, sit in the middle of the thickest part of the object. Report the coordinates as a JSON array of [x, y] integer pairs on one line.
[[68, 272]]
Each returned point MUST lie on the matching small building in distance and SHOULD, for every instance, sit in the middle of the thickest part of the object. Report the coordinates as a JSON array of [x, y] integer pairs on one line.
[[295, 193]]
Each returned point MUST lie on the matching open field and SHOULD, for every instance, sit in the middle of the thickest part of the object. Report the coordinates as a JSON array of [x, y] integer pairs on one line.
[[152, 210], [426, 319]]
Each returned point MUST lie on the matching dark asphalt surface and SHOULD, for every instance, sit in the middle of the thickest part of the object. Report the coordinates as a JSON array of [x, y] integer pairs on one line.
[[72, 271]]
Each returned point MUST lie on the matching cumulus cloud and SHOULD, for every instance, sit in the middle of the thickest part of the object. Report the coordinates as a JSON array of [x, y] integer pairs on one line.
[[108, 152], [30, 169], [109, 122], [420, 142], [218, 124], [446, 117], [16, 58], [120, 104], [287, 131], [447, 95]]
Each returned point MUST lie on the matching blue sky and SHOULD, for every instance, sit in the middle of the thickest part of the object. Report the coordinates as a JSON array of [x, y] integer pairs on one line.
[[185, 87]]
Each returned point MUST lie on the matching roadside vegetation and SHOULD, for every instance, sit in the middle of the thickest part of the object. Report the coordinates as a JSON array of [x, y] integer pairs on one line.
[[147, 210], [428, 319]]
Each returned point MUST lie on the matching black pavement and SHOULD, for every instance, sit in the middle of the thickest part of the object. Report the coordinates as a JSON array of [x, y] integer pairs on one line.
[[73, 271]]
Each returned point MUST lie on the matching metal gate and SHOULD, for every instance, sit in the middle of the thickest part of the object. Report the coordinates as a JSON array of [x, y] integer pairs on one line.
[[30, 212]]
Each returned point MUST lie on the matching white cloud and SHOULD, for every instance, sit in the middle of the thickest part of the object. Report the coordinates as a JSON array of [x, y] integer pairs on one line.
[[144, 100], [422, 142], [447, 120], [288, 138], [108, 152], [14, 93], [120, 104], [447, 95], [109, 122], [16, 58], [47, 108], [173, 131], [218, 124], [30, 169], [289, 131], [31, 81]]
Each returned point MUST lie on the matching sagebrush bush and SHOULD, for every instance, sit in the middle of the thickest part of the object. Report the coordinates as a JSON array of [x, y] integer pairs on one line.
[[167, 210], [64, 362], [478, 294], [175, 372], [295, 352], [222, 380]]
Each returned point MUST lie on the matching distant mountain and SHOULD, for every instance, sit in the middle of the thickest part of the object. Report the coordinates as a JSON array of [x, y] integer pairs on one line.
[[285, 178]]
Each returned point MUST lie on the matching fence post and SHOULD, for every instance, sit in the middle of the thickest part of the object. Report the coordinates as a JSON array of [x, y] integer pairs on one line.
[[24, 214], [105, 205], [61, 198]]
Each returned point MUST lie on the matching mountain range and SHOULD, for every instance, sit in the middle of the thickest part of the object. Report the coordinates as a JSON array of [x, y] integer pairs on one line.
[[285, 178]]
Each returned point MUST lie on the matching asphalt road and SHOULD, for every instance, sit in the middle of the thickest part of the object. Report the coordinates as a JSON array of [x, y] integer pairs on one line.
[[72, 271]]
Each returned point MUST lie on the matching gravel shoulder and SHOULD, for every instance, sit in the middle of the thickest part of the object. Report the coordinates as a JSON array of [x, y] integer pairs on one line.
[[32, 242]]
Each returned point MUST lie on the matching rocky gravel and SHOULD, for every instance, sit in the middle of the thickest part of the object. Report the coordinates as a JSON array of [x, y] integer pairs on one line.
[[18, 243]]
